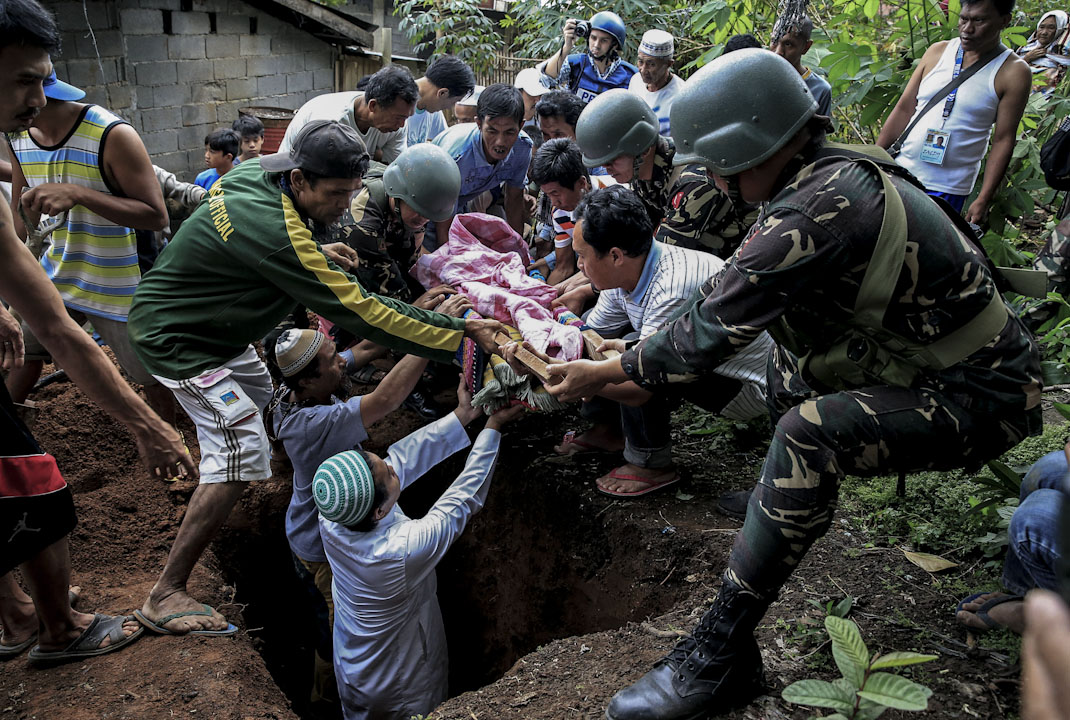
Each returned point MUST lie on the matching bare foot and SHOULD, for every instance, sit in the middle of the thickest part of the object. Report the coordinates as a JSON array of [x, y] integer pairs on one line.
[[180, 602], [598, 439], [20, 618], [615, 483], [1009, 614], [81, 621]]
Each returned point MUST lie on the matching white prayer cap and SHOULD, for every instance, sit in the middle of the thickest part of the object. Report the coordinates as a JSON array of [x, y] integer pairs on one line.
[[657, 43]]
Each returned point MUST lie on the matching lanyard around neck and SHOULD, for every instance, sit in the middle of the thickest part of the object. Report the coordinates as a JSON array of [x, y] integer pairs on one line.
[[949, 103]]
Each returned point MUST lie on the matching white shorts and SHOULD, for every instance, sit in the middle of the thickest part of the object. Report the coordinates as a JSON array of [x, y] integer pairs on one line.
[[226, 405]]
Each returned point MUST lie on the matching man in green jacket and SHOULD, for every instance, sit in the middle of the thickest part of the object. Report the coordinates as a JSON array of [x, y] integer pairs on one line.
[[237, 266]]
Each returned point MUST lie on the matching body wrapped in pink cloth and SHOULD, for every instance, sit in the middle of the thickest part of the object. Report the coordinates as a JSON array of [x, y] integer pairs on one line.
[[486, 260]]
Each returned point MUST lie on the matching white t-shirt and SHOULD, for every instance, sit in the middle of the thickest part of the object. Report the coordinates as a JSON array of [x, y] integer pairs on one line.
[[659, 101], [339, 106]]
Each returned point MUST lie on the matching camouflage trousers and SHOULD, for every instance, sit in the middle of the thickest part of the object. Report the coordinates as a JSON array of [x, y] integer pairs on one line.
[[1054, 260], [867, 432]]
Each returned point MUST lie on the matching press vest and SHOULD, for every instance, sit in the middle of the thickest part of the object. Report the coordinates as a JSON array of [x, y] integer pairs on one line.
[[92, 260], [585, 82], [970, 124]]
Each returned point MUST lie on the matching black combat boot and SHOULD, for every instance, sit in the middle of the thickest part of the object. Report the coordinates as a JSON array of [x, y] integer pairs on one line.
[[716, 668]]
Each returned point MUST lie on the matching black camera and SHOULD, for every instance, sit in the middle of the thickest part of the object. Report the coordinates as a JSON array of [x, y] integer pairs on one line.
[[583, 29]]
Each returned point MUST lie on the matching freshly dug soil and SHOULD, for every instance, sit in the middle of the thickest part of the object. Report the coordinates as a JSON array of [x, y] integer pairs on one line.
[[554, 598]]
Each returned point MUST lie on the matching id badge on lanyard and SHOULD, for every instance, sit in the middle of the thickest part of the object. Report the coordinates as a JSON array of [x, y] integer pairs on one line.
[[937, 140]]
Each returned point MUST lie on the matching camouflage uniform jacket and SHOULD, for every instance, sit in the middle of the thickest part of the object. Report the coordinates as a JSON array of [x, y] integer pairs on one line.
[[805, 260], [385, 247], [692, 212]]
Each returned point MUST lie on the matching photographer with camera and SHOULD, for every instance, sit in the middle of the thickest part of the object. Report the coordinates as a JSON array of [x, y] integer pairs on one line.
[[601, 68]]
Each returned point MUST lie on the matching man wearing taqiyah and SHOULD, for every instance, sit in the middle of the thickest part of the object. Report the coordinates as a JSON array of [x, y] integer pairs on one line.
[[390, 656]]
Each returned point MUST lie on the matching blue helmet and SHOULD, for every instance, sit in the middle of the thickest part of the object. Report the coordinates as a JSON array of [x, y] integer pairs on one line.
[[610, 22]]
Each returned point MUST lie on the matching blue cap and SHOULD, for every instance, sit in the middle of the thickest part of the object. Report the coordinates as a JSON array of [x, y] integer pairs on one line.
[[56, 89]]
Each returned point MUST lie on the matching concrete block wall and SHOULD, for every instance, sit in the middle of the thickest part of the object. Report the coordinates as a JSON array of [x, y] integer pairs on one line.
[[175, 88]]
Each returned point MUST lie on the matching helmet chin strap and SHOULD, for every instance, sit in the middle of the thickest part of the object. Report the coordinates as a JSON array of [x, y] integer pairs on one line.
[[735, 194], [607, 57]]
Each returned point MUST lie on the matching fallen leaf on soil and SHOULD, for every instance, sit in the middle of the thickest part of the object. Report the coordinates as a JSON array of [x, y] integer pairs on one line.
[[929, 563]]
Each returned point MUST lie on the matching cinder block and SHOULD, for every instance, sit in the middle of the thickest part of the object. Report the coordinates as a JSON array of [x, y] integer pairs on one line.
[[271, 85], [318, 60], [264, 65], [156, 73], [174, 162], [185, 47], [255, 44], [233, 24], [84, 73], [210, 5], [241, 88], [197, 115], [191, 138], [141, 21], [142, 48], [220, 46], [119, 98], [195, 71], [323, 80], [294, 62], [71, 17], [165, 118], [299, 82], [229, 68], [161, 4], [209, 92], [170, 95], [227, 112], [190, 23], [164, 141], [109, 43], [97, 95]]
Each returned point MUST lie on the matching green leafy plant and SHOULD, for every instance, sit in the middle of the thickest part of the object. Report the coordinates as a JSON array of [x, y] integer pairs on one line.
[[863, 692], [457, 27]]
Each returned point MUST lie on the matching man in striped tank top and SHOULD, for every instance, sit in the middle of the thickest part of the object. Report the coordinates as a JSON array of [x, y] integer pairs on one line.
[[36, 506], [82, 159]]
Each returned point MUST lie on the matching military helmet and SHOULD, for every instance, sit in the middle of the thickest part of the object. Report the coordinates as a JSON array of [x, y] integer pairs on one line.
[[610, 22], [426, 179], [615, 123], [737, 111]]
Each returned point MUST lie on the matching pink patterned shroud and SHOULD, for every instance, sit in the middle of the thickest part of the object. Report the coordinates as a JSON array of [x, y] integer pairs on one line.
[[486, 260]]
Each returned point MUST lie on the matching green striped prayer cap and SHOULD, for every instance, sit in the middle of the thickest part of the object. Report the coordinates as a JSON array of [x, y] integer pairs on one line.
[[343, 488]]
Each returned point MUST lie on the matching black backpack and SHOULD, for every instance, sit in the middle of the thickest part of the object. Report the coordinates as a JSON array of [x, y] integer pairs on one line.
[[1055, 157]]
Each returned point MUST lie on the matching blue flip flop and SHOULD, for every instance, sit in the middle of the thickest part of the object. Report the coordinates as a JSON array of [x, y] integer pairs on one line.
[[982, 612], [158, 626]]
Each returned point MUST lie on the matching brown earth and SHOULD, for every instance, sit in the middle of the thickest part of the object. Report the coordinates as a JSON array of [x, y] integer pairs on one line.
[[553, 599]]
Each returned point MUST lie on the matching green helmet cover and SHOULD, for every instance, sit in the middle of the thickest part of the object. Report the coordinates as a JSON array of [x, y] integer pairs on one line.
[[737, 111], [426, 179], [615, 123]]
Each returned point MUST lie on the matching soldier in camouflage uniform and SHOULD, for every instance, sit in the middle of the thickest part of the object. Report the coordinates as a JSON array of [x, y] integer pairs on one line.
[[389, 216], [1054, 261], [920, 403], [619, 131]]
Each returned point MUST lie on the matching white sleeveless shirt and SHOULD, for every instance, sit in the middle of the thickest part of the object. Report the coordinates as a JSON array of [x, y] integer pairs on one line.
[[970, 125]]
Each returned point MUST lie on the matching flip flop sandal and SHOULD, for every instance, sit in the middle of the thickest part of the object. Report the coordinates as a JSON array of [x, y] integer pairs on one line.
[[368, 375], [158, 625], [88, 643], [982, 612], [649, 484], [570, 446]]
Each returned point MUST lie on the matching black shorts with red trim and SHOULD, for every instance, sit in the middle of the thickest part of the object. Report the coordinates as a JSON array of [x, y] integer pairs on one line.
[[36, 507]]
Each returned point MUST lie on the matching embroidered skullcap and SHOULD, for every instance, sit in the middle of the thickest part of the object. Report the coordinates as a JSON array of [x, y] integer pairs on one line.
[[657, 43], [295, 349], [343, 488]]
